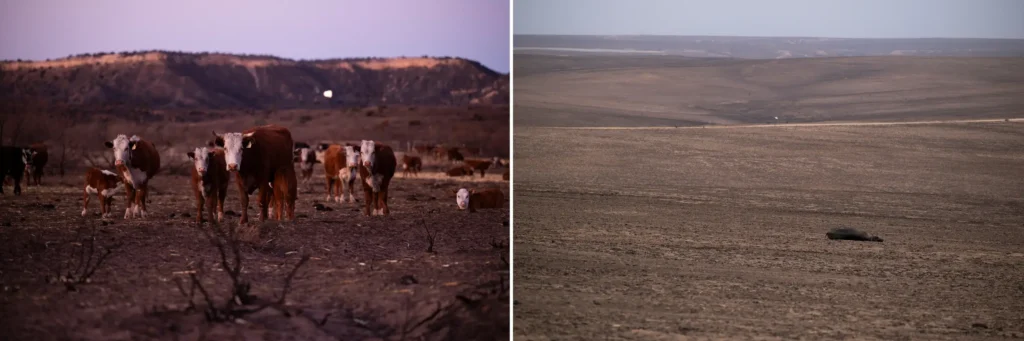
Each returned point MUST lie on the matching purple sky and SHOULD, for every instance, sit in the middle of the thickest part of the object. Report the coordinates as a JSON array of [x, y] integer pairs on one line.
[[308, 29]]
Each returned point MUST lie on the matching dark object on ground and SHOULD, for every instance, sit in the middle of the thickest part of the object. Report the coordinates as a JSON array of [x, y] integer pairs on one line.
[[845, 233], [321, 207], [408, 279]]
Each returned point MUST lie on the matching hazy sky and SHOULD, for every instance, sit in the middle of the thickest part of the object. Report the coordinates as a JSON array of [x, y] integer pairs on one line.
[[807, 18], [474, 29]]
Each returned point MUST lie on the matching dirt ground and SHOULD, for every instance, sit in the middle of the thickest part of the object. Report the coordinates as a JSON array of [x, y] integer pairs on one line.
[[368, 278], [680, 234]]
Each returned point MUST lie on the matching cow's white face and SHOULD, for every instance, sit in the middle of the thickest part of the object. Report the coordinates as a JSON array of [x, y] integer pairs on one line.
[[201, 159], [306, 158], [367, 153], [462, 198], [26, 158], [122, 147], [351, 156], [233, 144]]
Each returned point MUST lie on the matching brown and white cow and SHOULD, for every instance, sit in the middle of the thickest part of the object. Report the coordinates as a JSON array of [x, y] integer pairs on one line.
[[376, 170], [261, 158], [411, 165], [478, 165], [209, 181], [306, 157], [462, 170], [104, 184], [137, 161], [341, 168], [478, 199], [35, 159]]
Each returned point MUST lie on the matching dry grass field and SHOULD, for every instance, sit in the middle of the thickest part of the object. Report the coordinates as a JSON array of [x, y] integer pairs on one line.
[[367, 278], [694, 233]]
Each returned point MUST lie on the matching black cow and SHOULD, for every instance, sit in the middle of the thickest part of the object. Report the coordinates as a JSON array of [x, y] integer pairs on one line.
[[12, 163]]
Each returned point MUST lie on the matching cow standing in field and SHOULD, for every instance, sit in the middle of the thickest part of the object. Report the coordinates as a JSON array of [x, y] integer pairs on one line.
[[306, 157], [411, 165], [12, 163], [209, 181], [261, 158], [454, 155], [478, 165], [460, 171], [36, 156], [137, 161], [104, 184], [376, 170], [341, 168], [478, 199]]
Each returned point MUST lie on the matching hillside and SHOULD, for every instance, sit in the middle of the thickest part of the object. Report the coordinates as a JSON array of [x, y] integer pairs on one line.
[[768, 47], [641, 90], [161, 79]]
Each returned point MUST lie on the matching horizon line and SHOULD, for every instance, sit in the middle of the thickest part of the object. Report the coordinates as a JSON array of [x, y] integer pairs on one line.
[[749, 36]]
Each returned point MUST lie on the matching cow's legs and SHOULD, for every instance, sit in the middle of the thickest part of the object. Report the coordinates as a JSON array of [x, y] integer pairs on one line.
[[481, 173], [129, 195], [200, 202], [266, 195], [141, 199], [85, 202], [243, 196], [384, 201], [330, 189], [221, 194], [368, 196]]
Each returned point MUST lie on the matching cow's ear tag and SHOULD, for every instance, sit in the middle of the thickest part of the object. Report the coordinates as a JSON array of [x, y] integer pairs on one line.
[[248, 144]]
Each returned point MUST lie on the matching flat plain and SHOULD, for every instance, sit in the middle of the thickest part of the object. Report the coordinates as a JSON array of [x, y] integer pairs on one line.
[[695, 233]]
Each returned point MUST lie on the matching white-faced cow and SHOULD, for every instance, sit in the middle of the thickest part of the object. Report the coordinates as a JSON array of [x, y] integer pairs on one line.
[[209, 181], [341, 168], [137, 161], [104, 184], [35, 159], [12, 163], [376, 170], [306, 157], [478, 199], [261, 158]]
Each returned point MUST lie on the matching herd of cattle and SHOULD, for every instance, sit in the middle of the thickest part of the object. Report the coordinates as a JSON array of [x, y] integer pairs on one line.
[[260, 158]]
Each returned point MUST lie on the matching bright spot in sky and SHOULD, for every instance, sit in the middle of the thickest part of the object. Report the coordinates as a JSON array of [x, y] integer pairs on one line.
[[328, 93]]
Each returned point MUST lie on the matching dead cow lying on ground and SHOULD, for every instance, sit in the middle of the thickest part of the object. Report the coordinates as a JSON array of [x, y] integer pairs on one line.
[[209, 181], [104, 184], [478, 199]]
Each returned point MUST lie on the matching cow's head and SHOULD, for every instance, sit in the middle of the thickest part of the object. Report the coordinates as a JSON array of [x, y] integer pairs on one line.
[[234, 144], [201, 157], [462, 198], [368, 153], [351, 156], [123, 147], [26, 158], [303, 153]]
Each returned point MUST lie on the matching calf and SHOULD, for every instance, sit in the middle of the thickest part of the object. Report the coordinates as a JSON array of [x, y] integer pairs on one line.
[[209, 181], [306, 157], [261, 158], [341, 166], [137, 161], [12, 163], [376, 170], [411, 164], [35, 159], [478, 199], [460, 171], [480, 165], [104, 184]]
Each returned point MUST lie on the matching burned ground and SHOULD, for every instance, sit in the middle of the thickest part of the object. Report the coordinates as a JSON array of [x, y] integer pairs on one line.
[[367, 278]]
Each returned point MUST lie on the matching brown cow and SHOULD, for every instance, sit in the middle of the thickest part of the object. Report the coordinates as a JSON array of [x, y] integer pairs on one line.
[[376, 171], [460, 171], [479, 165], [341, 167], [505, 176], [137, 161], [411, 164], [306, 157], [104, 184], [478, 199], [259, 156], [209, 181], [454, 155], [35, 159]]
